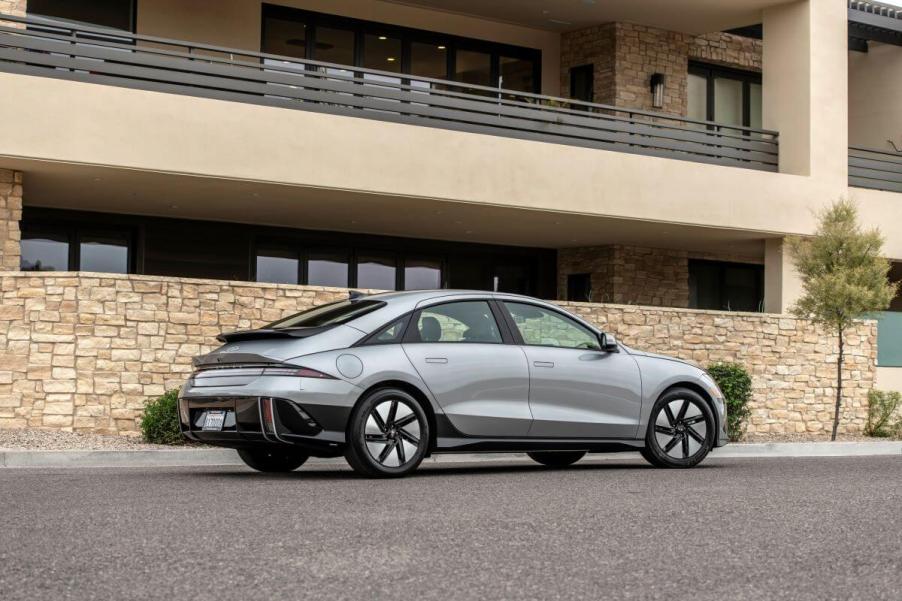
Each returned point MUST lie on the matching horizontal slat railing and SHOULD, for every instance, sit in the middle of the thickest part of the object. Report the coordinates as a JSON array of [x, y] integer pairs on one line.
[[875, 169], [56, 49]]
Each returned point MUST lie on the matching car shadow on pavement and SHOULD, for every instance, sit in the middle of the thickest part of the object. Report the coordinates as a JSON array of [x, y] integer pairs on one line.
[[327, 472]]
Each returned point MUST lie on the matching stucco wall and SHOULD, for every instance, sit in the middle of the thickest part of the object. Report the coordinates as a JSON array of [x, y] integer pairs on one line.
[[84, 351], [875, 97]]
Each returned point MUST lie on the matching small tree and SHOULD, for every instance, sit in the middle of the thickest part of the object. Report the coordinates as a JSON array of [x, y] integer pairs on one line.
[[843, 277]]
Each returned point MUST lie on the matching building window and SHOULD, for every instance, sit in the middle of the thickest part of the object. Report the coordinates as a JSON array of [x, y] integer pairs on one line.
[[723, 95], [722, 286], [379, 272], [45, 252], [422, 274], [278, 266], [579, 287], [115, 14], [104, 253], [328, 268], [582, 83], [76, 248], [357, 43]]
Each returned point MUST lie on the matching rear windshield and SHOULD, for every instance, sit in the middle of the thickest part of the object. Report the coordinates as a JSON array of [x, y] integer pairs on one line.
[[332, 314]]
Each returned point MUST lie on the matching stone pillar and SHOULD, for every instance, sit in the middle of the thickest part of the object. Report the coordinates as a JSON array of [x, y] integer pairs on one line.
[[13, 7], [782, 285], [806, 88], [10, 215]]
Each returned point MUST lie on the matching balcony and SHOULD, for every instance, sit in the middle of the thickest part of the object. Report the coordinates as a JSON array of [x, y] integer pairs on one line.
[[59, 50], [875, 169]]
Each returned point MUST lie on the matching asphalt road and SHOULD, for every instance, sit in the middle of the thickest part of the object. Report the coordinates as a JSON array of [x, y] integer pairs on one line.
[[615, 529]]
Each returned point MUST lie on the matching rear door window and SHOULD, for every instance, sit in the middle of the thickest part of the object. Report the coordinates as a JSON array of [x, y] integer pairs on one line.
[[462, 321]]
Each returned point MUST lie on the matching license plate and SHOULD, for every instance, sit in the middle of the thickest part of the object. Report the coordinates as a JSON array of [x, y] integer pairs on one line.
[[214, 420]]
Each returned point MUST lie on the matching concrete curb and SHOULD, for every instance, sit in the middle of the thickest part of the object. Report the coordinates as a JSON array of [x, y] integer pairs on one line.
[[228, 457]]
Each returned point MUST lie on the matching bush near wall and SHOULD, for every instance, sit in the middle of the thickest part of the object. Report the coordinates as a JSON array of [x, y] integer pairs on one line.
[[735, 383], [160, 422]]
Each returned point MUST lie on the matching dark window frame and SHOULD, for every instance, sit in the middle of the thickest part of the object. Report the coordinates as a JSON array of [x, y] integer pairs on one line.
[[133, 18], [74, 232], [361, 27], [722, 267], [710, 72], [589, 71]]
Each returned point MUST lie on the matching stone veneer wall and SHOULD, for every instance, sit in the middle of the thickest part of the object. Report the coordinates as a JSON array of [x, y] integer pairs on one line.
[[84, 351], [629, 275], [10, 215], [626, 55]]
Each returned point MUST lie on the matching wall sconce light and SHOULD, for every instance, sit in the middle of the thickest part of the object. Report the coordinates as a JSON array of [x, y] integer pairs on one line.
[[657, 90]]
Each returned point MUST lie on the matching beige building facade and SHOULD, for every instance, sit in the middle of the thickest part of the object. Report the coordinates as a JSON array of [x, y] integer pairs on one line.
[[174, 169]]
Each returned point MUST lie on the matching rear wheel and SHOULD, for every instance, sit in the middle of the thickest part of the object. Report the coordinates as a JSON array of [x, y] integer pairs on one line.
[[273, 460], [388, 434], [680, 430], [556, 458]]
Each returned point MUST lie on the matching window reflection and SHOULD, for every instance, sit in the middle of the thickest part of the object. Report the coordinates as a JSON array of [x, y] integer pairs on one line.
[[334, 46], [285, 37], [327, 269], [516, 74], [429, 60], [382, 52], [277, 266], [45, 253], [104, 254], [376, 272], [422, 274], [473, 68]]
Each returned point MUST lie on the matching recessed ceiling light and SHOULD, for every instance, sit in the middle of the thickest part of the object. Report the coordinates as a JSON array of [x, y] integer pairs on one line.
[[382, 37], [441, 47], [390, 59]]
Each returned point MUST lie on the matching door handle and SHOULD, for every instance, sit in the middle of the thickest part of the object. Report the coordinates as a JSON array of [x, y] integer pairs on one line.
[[543, 363], [436, 360]]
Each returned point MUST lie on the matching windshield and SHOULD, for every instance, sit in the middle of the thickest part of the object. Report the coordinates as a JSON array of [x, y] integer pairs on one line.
[[332, 314]]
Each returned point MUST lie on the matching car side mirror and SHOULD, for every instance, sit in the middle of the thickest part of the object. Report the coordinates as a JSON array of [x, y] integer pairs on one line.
[[608, 343]]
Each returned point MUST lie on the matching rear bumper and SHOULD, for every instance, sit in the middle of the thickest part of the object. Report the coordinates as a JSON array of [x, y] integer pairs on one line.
[[312, 415]]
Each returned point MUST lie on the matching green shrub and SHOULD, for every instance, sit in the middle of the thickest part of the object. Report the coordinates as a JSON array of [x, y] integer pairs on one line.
[[736, 384], [160, 424], [881, 407]]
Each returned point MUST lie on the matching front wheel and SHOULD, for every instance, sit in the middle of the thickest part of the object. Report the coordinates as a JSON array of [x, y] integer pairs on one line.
[[388, 434], [556, 458], [273, 460], [681, 430]]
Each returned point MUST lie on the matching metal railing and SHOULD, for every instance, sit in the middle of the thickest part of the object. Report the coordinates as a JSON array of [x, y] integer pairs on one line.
[[875, 169], [58, 49]]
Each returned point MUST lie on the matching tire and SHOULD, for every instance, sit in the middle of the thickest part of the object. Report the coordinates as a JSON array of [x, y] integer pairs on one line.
[[274, 459], [388, 434], [681, 430], [556, 458]]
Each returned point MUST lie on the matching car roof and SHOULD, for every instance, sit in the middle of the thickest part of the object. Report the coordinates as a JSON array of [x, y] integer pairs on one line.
[[400, 302]]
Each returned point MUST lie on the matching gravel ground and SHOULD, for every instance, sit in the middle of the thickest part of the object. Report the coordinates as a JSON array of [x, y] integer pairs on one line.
[[51, 440], [824, 437]]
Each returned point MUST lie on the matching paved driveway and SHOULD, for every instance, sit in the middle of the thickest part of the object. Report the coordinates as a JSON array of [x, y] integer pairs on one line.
[[614, 529]]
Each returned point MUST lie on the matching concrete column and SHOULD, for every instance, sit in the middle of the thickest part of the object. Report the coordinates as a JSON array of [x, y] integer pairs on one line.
[[10, 215], [782, 285], [805, 75]]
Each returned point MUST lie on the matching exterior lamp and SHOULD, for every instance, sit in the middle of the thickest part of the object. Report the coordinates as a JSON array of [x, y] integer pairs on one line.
[[657, 90]]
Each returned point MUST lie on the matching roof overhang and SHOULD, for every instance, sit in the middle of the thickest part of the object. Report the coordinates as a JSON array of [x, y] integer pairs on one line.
[[873, 22]]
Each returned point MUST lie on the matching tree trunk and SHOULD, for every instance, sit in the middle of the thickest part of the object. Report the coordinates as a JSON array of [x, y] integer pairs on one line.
[[838, 386]]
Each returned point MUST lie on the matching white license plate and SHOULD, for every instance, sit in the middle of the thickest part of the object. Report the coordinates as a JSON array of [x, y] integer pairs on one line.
[[214, 420]]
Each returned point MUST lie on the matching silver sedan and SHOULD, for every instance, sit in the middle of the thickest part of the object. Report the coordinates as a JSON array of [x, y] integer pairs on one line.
[[388, 379]]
